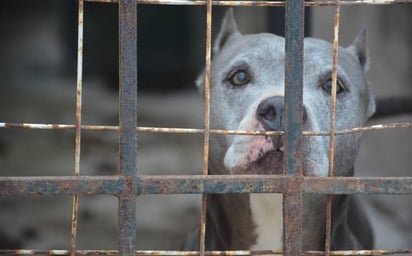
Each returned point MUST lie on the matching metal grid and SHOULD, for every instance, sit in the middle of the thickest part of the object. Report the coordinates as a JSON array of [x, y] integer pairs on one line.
[[129, 184]]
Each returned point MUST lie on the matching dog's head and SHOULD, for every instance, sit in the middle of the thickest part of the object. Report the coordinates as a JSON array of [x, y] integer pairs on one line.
[[247, 93]]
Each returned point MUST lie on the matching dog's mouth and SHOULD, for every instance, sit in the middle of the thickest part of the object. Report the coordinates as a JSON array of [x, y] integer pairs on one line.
[[256, 156], [269, 163]]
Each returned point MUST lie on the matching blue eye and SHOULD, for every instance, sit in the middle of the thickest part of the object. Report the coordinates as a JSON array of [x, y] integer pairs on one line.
[[327, 86], [240, 77]]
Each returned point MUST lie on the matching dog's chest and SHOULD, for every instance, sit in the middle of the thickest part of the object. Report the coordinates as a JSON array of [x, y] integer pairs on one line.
[[267, 215]]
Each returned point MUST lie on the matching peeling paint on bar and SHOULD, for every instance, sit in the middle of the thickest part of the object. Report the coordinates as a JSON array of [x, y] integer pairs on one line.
[[78, 128], [293, 196], [213, 184], [403, 125], [197, 184], [359, 185], [127, 125], [196, 253], [260, 3], [83, 185]]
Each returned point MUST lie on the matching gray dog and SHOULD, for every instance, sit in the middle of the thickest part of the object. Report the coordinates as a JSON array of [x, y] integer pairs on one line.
[[247, 93]]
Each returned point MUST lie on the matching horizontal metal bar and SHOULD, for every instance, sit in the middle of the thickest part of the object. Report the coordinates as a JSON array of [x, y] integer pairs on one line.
[[260, 3], [358, 185], [197, 184], [377, 127], [213, 184], [196, 253], [58, 126], [65, 185]]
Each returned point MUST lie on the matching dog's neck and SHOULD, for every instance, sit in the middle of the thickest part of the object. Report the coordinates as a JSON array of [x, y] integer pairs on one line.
[[255, 221], [247, 221], [268, 217]]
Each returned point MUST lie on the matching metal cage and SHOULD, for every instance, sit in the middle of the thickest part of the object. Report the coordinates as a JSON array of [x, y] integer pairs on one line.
[[129, 183]]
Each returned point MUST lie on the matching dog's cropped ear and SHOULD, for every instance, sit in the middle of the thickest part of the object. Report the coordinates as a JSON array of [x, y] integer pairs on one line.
[[227, 30], [360, 50]]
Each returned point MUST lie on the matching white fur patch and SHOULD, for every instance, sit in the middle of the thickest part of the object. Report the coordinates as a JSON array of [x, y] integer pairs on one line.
[[267, 213]]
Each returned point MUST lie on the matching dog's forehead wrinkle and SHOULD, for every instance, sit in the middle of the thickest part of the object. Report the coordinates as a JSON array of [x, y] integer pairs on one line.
[[318, 55], [265, 41], [256, 44], [253, 61]]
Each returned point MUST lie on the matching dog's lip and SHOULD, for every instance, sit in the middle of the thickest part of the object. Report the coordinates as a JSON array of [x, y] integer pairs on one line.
[[269, 163]]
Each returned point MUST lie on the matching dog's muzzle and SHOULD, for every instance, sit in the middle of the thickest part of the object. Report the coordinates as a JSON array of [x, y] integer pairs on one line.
[[259, 154]]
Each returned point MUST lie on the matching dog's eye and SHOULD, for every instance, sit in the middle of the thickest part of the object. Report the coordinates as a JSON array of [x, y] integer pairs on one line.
[[327, 86], [240, 77]]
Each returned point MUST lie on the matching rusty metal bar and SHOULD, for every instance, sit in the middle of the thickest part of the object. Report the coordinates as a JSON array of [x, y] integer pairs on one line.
[[206, 130], [273, 184], [378, 127], [206, 134], [293, 85], [333, 92], [80, 13], [328, 222], [214, 184], [67, 185], [128, 123], [261, 3], [358, 185], [198, 184], [292, 198], [196, 253]]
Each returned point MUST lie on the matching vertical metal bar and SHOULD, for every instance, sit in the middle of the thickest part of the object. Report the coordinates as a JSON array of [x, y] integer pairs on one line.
[[332, 126], [206, 122], [73, 238], [292, 200], [334, 87], [128, 123], [294, 84]]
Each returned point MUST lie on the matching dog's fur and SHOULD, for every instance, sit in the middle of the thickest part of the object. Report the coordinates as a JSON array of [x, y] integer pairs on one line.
[[247, 93]]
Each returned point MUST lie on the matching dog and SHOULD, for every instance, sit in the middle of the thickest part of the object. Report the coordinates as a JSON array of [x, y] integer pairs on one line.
[[247, 93]]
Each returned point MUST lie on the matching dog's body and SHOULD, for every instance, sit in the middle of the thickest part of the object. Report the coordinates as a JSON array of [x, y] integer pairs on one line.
[[247, 93]]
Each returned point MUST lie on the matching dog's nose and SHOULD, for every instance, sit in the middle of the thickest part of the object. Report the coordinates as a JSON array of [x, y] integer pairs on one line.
[[270, 113]]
